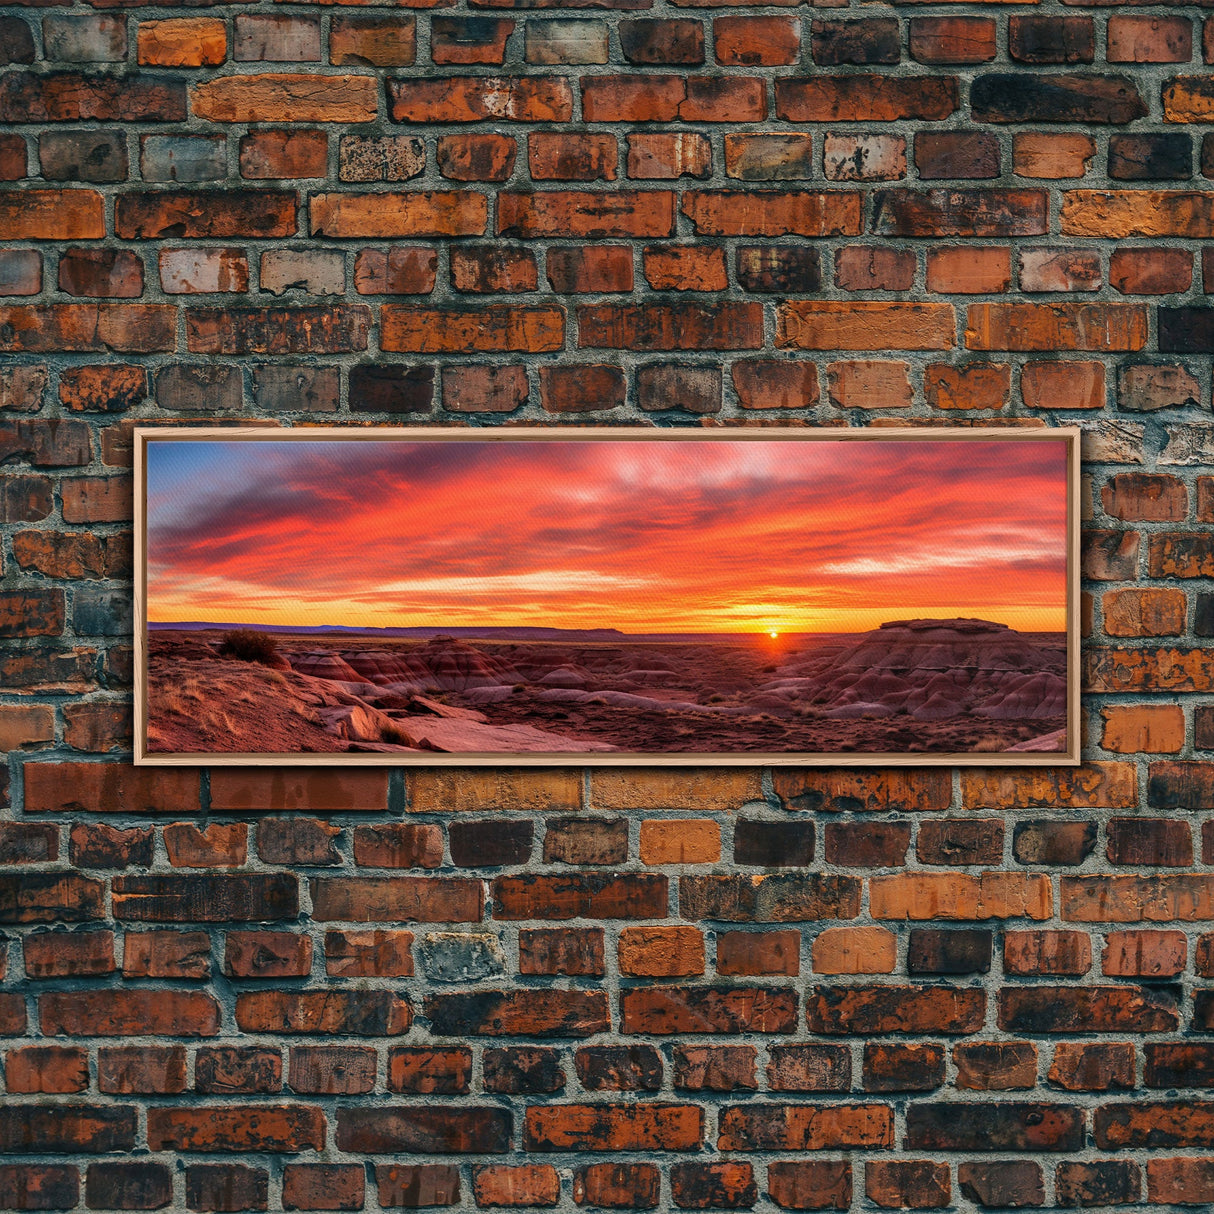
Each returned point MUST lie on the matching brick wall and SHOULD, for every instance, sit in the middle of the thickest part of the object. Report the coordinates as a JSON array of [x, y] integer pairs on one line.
[[830, 989]]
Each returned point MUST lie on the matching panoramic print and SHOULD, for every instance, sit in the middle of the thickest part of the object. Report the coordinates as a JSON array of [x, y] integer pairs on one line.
[[403, 596]]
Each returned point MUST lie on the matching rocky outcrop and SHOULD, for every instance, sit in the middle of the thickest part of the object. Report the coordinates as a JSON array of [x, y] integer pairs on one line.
[[931, 670]]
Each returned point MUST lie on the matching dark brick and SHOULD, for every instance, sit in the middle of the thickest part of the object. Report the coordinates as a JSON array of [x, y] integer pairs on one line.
[[1002, 1126], [773, 844], [779, 269], [1150, 157], [840, 42], [1051, 39], [619, 1068], [522, 1070], [1052, 843], [130, 1185], [226, 1187], [1006, 97], [391, 388], [1006, 1184], [959, 951], [903, 1068], [489, 843]]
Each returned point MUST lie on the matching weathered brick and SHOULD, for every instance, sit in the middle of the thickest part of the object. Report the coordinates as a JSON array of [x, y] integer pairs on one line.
[[469, 39]]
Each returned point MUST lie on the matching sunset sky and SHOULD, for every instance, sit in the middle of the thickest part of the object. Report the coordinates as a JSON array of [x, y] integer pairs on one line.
[[675, 536]]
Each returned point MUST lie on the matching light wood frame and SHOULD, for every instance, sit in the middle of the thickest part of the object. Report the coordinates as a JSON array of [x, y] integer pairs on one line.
[[1071, 436]]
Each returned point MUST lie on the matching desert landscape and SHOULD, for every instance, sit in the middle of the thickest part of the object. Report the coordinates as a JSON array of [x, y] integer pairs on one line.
[[913, 686], [543, 596]]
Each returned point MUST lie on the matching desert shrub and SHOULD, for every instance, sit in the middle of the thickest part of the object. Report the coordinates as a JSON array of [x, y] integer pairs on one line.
[[247, 645], [395, 734]]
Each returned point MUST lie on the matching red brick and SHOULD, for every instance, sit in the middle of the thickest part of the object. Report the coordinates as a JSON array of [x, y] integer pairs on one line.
[[1149, 39], [756, 41], [772, 213], [219, 1128], [318, 1186], [810, 1185], [995, 1066], [965, 270], [480, 99], [1093, 1067], [76, 96], [804, 1127], [591, 270], [430, 1071], [476, 157], [724, 1185], [109, 788], [95, 499], [515, 1013], [767, 384], [51, 215], [414, 1185], [899, 1184], [654, 98], [332, 1070], [613, 1127], [1133, 613], [226, 1187], [753, 954], [503, 1185], [685, 268], [167, 954], [61, 954], [656, 42], [363, 954], [469, 40], [809, 1068], [101, 273], [104, 327], [864, 97], [990, 213], [204, 214], [220, 845], [284, 97], [874, 268], [1179, 1181], [557, 156], [49, 1069], [127, 1013], [619, 1186], [265, 954], [668, 155], [937, 40], [1136, 954], [869, 384], [894, 1009], [238, 789], [284, 154], [182, 42], [581, 388], [973, 386], [574, 951], [399, 270], [676, 326], [1151, 271], [493, 268], [864, 325], [379, 41]]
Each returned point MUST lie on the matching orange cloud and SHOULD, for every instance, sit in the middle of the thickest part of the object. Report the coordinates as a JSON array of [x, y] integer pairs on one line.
[[683, 536]]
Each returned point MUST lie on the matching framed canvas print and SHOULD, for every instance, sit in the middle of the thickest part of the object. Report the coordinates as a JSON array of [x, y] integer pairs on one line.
[[607, 596]]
